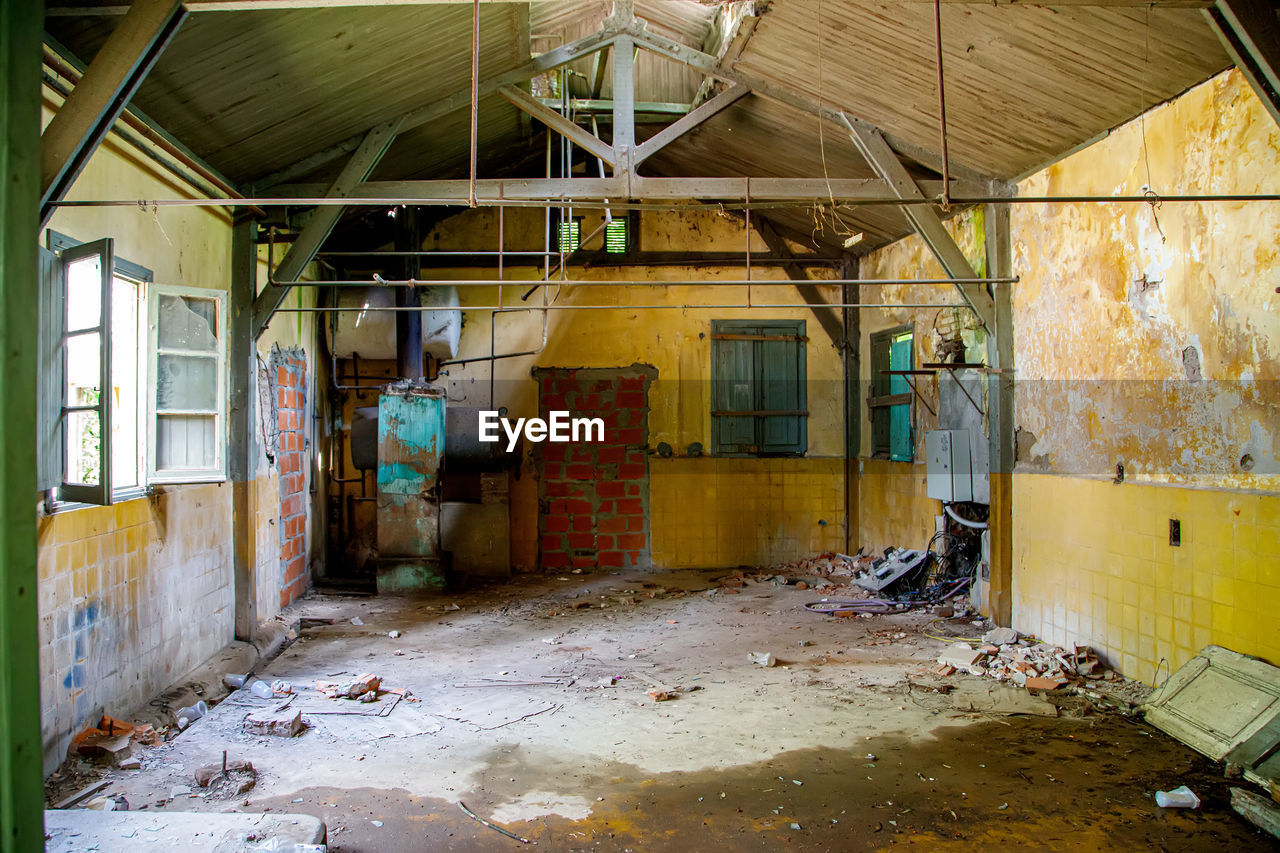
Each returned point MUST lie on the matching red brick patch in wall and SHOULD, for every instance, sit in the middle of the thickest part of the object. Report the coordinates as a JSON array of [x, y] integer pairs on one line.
[[594, 497], [291, 400]]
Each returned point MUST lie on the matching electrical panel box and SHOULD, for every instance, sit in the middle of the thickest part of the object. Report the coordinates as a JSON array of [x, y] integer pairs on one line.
[[949, 467]]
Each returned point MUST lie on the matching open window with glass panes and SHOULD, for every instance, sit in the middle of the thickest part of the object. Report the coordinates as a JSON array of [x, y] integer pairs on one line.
[[133, 384]]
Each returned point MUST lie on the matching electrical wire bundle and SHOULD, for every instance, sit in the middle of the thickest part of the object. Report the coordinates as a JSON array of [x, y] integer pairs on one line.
[[952, 564]]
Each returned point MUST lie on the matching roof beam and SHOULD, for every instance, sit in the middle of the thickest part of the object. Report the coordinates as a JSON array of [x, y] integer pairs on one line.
[[605, 105], [728, 52], [624, 99], [732, 190], [303, 250], [1249, 31], [560, 124], [924, 219], [443, 107], [102, 93], [82, 8], [708, 64], [683, 125], [598, 72]]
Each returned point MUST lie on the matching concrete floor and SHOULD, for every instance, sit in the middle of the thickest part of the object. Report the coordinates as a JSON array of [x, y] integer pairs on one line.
[[846, 745]]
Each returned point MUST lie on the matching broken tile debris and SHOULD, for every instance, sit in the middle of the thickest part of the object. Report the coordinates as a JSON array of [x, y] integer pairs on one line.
[[273, 722], [1006, 656]]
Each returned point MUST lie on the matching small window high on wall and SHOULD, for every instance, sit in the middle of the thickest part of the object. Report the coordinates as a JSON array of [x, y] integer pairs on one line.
[[132, 388], [890, 402]]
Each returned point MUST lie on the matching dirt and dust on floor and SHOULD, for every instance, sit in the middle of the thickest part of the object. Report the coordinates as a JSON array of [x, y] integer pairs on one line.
[[675, 711]]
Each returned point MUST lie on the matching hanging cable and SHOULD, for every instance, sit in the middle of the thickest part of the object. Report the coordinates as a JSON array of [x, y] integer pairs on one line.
[[475, 97], [942, 108]]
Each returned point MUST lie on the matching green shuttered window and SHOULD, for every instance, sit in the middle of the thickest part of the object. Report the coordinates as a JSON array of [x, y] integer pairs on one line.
[[758, 403], [891, 397]]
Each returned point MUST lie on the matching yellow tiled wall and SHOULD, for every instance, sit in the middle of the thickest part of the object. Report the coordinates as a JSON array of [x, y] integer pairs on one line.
[[893, 509], [1093, 564], [728, 512], [131, 596]]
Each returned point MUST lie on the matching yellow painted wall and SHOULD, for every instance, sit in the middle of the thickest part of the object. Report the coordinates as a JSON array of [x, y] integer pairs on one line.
[[1102, 378], [704, 512], [134, 595], [893, 507], [1093, 560]]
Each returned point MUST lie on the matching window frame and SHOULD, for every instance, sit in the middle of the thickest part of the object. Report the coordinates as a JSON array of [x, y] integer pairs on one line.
[[217, 473], [882, 399], [758, 333], [627, 229], [74, 495], [70, 491]]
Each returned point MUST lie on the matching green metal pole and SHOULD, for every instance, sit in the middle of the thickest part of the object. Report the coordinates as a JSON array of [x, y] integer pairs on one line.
[[21, 777]]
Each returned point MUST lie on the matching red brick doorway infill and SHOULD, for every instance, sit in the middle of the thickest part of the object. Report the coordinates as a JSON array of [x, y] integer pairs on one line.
[[593, 498]]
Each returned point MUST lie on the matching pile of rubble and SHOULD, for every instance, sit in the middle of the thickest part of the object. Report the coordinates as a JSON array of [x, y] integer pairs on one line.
[[112, 741], [1006, 656], [828, 564]]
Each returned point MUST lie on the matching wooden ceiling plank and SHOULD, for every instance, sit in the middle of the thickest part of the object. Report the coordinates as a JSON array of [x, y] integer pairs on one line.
[[442, 107]]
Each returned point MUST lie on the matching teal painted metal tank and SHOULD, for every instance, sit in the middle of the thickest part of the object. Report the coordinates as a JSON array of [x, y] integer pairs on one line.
[[411, 436]]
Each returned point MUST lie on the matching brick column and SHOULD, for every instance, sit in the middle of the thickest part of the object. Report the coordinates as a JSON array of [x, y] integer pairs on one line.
[[291, 406]]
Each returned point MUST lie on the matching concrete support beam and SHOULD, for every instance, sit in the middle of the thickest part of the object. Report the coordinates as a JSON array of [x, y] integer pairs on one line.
[[624, 105], [243, 427], [303, 250], [683, 125], [21, 788], [102, 94], [601, 189], [1250, 32], [580, 137], [1000, 415], [923, 219], [851, 294]]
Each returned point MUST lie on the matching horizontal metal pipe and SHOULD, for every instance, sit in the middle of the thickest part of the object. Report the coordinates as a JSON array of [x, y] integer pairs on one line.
[[671, 205], [409, 253], [685, 282], [498, 357], [688, 306]]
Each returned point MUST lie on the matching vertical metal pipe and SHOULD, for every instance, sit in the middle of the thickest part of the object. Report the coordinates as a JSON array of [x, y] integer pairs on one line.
[[493, 318], [746, 182], [409, 323], [475, 95]]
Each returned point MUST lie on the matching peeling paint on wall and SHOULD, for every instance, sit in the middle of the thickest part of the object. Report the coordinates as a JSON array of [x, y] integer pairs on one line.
[[1151, 333]]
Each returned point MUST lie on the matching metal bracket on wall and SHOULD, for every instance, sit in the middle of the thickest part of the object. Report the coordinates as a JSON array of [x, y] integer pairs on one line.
[[951, 369], [907, 374]]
